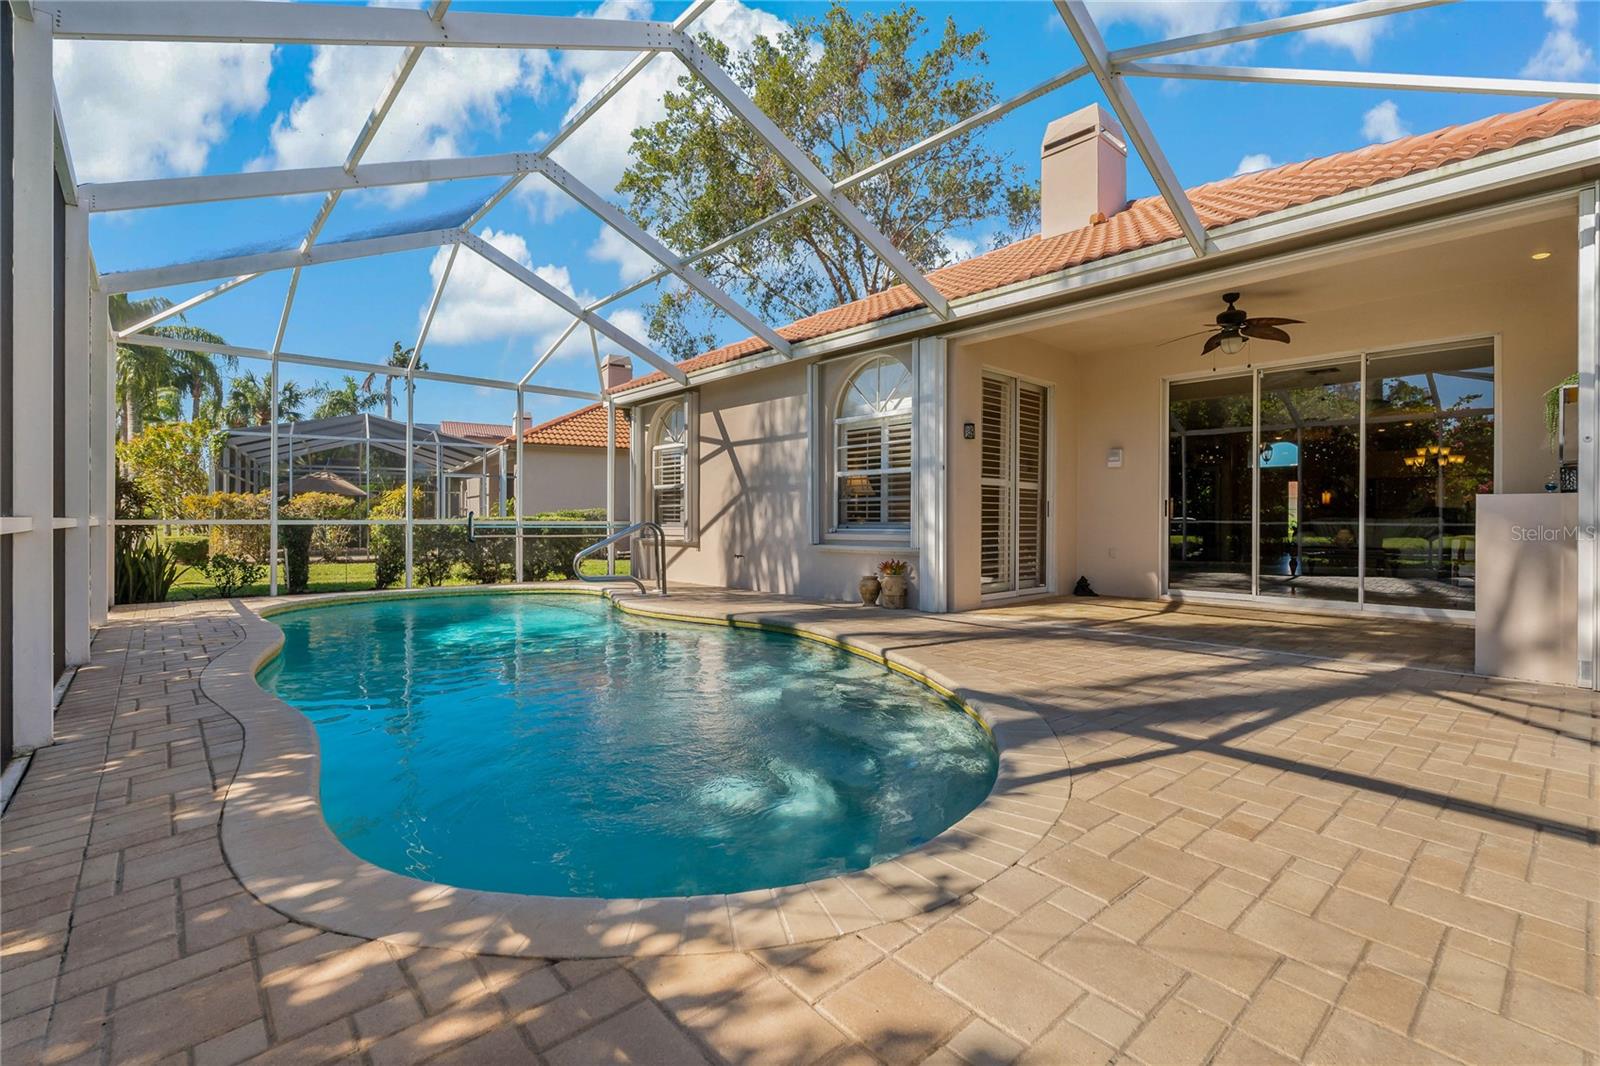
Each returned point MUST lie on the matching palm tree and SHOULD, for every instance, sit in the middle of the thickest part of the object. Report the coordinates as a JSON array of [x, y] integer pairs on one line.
[[250, 401], [196, 372], [141, 369], [347, 398], [142, 372], [400, 357]]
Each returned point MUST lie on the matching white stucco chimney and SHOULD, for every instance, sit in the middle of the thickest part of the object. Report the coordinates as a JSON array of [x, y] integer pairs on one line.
[[615, 369], [1083, 171]]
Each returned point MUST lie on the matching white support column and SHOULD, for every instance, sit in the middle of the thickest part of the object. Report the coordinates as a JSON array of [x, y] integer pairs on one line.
[[102, 458], [32, 397], [1588, 434], [75, 451], [272, 438], [929, 525], [611, 481], [411, 466], [516, 484]]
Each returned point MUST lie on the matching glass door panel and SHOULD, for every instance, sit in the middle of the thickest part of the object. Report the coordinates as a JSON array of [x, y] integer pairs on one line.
[[1209, 485], [1309, 466], [1430, 452]]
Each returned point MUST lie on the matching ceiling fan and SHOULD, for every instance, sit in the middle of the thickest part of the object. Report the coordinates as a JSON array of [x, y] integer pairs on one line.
[[1234, 328]]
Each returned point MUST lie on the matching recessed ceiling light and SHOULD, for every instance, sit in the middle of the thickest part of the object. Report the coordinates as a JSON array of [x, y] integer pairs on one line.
[[1541, 255]]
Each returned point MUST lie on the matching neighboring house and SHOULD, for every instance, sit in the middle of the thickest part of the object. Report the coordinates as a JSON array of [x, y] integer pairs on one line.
[[564, 458], [1067, 423]]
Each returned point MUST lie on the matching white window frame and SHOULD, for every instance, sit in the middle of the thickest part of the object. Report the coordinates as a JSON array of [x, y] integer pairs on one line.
[[838, 424]]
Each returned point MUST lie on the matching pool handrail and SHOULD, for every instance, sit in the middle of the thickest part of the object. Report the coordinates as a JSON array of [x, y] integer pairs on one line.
[[622, 534]]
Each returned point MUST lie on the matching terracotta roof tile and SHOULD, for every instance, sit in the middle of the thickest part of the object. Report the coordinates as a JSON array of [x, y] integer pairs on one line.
[[583, 428], [1147, 222], [476, 430]]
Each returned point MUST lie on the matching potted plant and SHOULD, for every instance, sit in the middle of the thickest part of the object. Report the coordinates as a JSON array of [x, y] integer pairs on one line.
[[893, 574], [870, 587]]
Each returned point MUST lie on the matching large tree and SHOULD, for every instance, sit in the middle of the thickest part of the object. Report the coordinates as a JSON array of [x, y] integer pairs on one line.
[[850, 89]]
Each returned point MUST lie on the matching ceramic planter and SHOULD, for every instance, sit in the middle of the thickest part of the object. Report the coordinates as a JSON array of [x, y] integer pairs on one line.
[[870, 588], [894, 590]]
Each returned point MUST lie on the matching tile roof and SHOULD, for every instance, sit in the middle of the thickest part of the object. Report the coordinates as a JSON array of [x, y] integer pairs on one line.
[[475, 430], [583, 428], [1148, 222]]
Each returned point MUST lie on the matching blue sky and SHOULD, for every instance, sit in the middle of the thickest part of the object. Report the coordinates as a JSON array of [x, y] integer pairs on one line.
[[154, 110]]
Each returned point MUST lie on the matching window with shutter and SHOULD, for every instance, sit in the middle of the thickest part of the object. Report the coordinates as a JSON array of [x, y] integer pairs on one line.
[[669, 453], [872, 448]]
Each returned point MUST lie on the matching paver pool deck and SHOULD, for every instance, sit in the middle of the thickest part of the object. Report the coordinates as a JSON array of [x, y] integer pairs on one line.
[[1264, 843]]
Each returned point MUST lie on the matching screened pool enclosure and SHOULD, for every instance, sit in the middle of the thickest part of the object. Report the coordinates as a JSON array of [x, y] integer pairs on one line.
[[60, 416]]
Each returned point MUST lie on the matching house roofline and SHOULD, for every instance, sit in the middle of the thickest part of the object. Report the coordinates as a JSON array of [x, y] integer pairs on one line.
[[1540, 170]]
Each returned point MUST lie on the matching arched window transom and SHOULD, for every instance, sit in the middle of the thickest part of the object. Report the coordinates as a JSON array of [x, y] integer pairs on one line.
[[872, 448]]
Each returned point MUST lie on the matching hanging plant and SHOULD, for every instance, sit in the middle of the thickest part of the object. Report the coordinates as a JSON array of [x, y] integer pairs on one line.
[[1552, 410]]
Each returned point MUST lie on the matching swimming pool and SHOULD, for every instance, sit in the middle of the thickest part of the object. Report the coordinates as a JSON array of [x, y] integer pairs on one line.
[[550, 744]]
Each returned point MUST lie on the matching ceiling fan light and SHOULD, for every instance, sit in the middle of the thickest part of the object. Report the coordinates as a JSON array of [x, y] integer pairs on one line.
[[1232, 343]]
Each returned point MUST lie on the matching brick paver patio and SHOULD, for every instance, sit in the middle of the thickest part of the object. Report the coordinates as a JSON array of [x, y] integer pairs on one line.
[[1265, 857]]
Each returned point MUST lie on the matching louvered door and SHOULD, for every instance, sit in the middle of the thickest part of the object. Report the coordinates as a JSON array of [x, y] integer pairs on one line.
[[1014, 497]]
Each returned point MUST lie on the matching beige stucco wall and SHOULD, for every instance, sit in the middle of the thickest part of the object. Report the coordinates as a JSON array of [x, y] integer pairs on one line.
[[570, 479], [1117, 511], [752, 524]]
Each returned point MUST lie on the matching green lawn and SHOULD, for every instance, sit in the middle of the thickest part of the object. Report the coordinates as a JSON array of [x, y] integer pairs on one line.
[[328, 577]]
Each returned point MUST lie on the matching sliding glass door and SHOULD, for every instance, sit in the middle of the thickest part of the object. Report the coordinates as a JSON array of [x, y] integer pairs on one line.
[[1309, 464], [1209, 494], [1352, 481]]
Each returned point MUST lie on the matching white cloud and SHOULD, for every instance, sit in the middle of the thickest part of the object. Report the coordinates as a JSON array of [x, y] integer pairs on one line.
[[600, 151], [483, 302], [613, 247], [1561, 55], [1177, 18], [1382, 123], [1253, 162], [451, 94], [1356, 37], [150, 109]]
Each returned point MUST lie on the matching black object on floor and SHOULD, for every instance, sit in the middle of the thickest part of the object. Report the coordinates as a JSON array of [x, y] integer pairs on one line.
[[1082, 588]]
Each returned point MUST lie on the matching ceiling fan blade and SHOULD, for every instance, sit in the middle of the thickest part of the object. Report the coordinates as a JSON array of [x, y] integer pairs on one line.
[[1212, 343], [1255, 329], [1275, 321], [1186, 336]]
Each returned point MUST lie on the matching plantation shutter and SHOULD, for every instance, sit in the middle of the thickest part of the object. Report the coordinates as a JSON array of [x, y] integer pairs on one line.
[[668, 479], [995, 516], [1030, 475]]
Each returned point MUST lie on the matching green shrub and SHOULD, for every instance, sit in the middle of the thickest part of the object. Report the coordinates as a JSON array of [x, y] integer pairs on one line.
[[435, 551], [332, 543], [389, 542], [146, 571], [190, 549], [296, 544], [241, 542], [488, 560], [230, 574]]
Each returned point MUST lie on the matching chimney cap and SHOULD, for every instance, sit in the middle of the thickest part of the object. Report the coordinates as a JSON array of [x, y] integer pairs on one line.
[[1081, 124]]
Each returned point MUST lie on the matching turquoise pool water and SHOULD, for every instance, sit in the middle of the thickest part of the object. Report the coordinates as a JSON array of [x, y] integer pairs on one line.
[[555, 746]]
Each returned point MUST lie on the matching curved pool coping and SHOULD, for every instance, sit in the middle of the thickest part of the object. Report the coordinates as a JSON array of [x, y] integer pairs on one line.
[[281, 849]]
